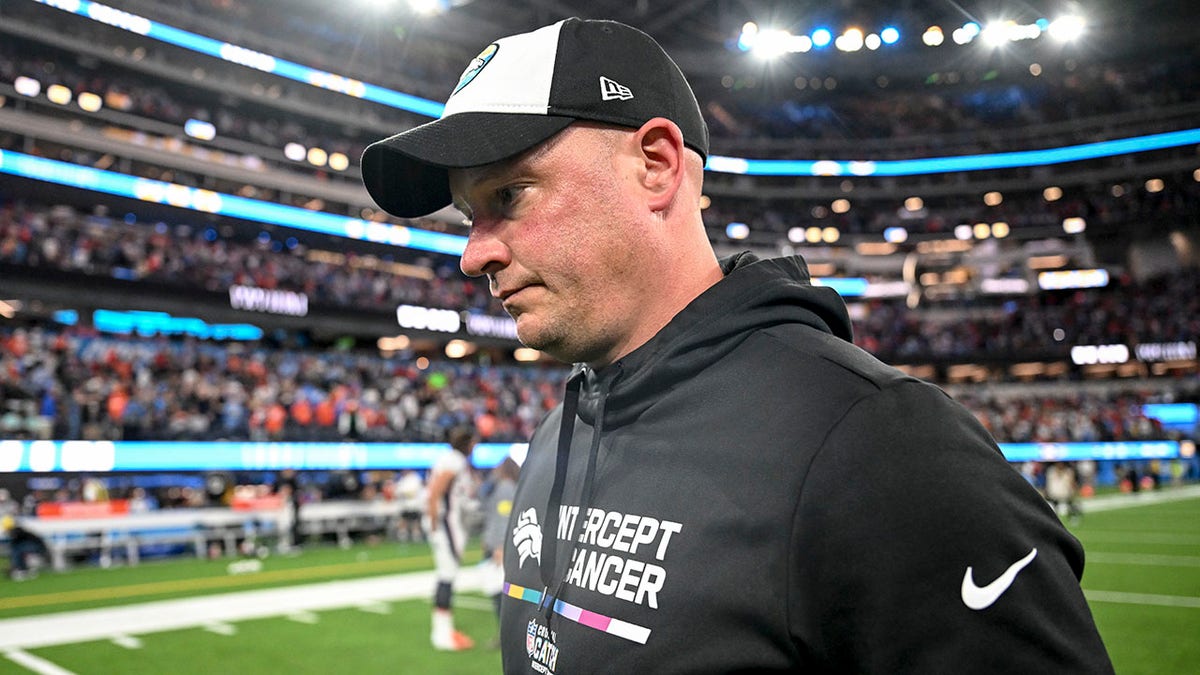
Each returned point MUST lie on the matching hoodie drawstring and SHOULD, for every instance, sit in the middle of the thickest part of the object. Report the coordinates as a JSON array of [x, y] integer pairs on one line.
[[566, 432]]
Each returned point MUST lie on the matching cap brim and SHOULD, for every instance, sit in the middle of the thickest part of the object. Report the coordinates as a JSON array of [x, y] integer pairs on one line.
[[407, 173]]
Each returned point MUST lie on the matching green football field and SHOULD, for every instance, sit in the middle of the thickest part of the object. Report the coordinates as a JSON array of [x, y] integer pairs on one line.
[[366, 609]]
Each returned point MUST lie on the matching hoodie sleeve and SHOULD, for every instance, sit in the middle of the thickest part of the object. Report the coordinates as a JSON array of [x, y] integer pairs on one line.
[[918, 549]]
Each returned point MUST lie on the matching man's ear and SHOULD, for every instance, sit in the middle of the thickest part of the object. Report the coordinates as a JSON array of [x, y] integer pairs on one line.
[[661, 153]]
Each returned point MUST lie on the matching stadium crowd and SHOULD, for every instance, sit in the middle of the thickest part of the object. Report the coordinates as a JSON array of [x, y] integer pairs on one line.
[[1164, 309], [79, 384], [200, 258], [167, 102], [1104, 207]]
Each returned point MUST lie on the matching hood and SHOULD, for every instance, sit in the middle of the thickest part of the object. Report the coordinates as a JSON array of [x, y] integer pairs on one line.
[[754, 294]]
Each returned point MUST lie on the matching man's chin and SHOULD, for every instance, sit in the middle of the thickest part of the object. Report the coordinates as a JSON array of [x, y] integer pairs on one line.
[[536, 337]]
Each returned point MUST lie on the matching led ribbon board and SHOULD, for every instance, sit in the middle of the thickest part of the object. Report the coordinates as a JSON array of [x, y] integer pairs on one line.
[[246, 57], [1070, 452], [207, 201], [106, 456]]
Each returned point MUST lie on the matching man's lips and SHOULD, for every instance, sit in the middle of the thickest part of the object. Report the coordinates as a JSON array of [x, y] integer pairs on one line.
[[507, 293]]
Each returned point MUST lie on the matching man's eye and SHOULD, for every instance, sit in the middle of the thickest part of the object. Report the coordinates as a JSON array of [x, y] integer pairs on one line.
[[507, 195]]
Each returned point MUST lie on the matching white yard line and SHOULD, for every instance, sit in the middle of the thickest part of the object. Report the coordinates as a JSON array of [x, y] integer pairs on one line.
[[303, 617], [1132, 537], [221, 628], [375, 608], [1142, 599], [1143, 498], [1143, 559], [164, 615], [126, 641], [34, 663]]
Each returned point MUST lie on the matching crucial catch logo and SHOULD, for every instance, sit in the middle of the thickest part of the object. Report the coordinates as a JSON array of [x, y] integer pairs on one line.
[[540, 647]]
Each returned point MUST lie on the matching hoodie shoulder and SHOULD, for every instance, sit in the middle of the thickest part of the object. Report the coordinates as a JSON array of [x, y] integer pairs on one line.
[[815, 348]]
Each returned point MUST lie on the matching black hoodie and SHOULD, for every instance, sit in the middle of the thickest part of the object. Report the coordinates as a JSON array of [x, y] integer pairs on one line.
[[749, 492]]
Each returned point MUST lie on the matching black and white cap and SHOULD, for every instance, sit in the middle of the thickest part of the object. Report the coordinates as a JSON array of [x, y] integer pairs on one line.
[[520, 91]]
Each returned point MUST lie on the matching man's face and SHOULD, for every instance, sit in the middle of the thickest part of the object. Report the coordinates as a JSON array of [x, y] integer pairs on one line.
[[553, 232]]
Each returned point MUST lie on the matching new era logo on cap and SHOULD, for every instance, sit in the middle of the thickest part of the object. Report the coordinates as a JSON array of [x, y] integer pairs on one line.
[[611, 90], [520, 91]]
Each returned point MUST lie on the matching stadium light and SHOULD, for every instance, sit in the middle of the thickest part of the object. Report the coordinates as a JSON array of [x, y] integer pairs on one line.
[[317, 156], [933, 36], [737, 231], [27, 86], [59, 94], [889, 35], [968, 32], [748, 36], [821, 37], [295, 152], [426, 7], [89, 101], [850, 41], [1075, 225], [457, 349], [772, 43], [1066, 28], [995, 33], [200, 129], [526, 355], [339, 161]]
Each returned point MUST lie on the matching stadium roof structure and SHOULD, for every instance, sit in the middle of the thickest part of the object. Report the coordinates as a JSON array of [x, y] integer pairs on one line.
[[702, 34]]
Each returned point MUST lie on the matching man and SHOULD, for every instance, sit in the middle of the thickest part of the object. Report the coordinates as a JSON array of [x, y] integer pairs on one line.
[[287, 486], [23, 545], [497, 510], [449, 487], [729, 484]]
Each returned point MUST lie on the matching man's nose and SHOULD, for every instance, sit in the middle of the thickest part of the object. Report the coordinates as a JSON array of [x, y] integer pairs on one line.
[[485, 253]]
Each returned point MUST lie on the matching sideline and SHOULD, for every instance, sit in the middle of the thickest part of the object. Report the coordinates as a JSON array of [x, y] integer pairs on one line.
[[78, 626], [150, 617], [198, 583], [1142, 498]]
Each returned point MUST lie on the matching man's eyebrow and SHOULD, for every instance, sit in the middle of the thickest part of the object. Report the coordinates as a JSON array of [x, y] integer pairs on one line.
[[488, 173]]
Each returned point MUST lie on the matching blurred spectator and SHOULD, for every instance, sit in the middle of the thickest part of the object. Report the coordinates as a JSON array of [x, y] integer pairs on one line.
[[26, 549]]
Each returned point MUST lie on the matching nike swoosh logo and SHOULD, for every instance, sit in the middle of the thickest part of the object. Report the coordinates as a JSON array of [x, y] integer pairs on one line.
[[977, 598]]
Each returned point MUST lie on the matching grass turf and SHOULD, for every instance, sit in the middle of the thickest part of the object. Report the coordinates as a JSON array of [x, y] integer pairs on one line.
[[1151, 550], [1146, 552]]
